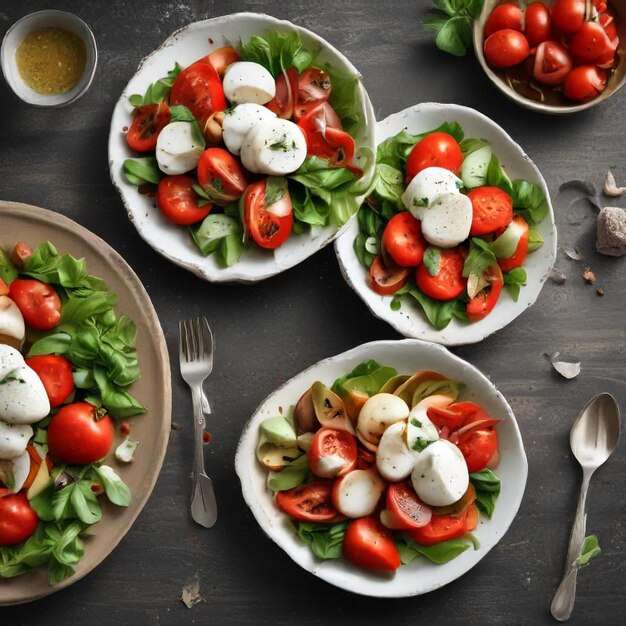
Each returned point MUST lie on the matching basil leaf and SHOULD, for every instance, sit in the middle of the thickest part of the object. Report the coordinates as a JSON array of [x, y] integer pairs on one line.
[[367, 378], [479, 258], [432, 260], [115, 488], [497, 177], [215, 227], [67, 549], [514, 280], [589, 550], [452, 24], [230, 250], [57, 343], [370, 222], [117, 400], [439, 553], [471, 144], [459, 310], [529, 201], [156, 91], [345, 98], [276, 52], [325, 540], [535, 239], [48, 266], [8, 271], [316, 174], [487, 486], [292, 475], [438, 312], [142, 170], [389, 184], [275, 188], [85, 502], [181, 113], [455, 36]]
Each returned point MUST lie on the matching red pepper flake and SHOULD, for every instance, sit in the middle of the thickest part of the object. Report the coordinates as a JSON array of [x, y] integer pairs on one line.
[[124, 428], [97, 489], [206, 437]]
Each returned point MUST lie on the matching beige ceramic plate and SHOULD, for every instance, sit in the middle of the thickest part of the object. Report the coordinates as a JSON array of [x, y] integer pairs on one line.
[[34, 225]]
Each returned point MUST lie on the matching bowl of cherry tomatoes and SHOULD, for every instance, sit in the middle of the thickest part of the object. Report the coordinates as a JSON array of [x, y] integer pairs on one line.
[[557, 56]]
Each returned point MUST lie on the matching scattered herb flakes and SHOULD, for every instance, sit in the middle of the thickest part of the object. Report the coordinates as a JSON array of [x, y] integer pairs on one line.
[[567, 369], [610, 188], [589, 550], [190, 595], [589, 276], [573, 254]]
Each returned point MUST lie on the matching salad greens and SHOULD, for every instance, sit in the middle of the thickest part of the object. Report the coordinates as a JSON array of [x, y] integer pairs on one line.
[[439, 553], [451, 23]]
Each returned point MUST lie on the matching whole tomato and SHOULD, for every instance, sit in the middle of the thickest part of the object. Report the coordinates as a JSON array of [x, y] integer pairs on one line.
[[18, 521], [80, 434]]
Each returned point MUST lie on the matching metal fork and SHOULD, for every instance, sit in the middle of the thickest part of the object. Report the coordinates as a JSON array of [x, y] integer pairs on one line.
[[196, 363]]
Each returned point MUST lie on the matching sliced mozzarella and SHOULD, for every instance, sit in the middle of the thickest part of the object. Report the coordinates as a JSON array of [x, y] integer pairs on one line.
[[13, 439], [357, 493], [440, 475], [14, 472], [275, 147], [11, 322], [426, 187], [246, 81], [419, 425], [394, 460], [448, 221], [10, 358], [238, 123], [330, 465], [177, 151], [378, 413]]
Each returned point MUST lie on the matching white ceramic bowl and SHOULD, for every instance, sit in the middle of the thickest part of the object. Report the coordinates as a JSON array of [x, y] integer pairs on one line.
[[36, 21], [422, 576], [185, 46], [410, 320]]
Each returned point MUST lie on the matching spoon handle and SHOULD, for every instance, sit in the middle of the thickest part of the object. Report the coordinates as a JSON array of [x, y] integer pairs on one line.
[[565, 596]]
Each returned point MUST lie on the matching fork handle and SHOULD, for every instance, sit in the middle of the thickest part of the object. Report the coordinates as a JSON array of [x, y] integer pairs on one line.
[[199, 425]]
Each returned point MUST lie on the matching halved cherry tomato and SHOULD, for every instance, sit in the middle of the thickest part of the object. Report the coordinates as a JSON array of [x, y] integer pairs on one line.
[[471, 521], [441, 528], [55, 373], [435, 150], [147, 123], [323, 140], [478, 448], [18, 521], [590, 42], [266, 229], [284, 102], [456, 415], [221, 58], [584, 83], [449, 282], [552, 63], [505, 15], [506, 48], [521, 252], [386, 278], [221, 176], [199, 88], [179, 202], [568, 15], [38, 303], [314, 88], [492, 208], [310, 502], [369, 545], [538, 23], [365, 459], [485, 300], [332, 453], [405, 508], [403, 240]]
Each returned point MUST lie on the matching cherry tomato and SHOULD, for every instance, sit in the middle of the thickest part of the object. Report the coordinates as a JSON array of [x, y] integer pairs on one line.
[[521, 251], [179, 202], [21, 253], [435, 150], [220, 174], [403, 240], [147, 123], [538, 26], [449, 282], [386, 278], [199, 88], [266, 229], [55, 373], [80, 434], [38, 303], [505, 15], [338, 444], [568, 15], [584, 83], [323, 140], [18, 521], [552, 63], [478, 448], [506, 48], [441, 528], [314, 88], [405, 508], [221, 58], [365, 459], [369, 545], [284, 101], [492, 208], [310, 502], [590, 42], [485, 300]]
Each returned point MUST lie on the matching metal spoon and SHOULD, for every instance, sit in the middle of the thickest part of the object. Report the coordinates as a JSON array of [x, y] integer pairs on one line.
[[593, 438]]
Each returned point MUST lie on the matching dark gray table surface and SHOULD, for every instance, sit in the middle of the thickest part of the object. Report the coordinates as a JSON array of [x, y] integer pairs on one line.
[[270, 331]]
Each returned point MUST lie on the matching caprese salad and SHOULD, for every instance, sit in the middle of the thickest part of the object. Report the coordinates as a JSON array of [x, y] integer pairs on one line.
[[445, 226], [66, 362], [249, 145], [382, 468]]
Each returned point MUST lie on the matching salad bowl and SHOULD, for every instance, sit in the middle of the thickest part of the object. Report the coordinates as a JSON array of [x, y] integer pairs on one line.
[[420, 576], [409, 320], [185, 46]]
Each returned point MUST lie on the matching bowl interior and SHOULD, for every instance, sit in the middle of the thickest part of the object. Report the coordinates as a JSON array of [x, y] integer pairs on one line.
[[38, 21], [616, 80]]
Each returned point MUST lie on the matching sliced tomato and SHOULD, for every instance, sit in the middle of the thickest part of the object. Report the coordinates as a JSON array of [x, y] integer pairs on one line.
[[310, 502], [456, 415], [199, 88], [148, 122], [492, 208], [449, 281], [441, 528], [521, 251], [284, 102], [435, 150], [365, 459], [179, 202], [478, 447], [369, 545], [332, 453], [38, 303], [403, 240], [323, 140], [55, 373], [406, 510], [21, 254], [221, 176], [485, 300], [552, 63], [386, 278], [221, 58], [314, 88], [266, 229]]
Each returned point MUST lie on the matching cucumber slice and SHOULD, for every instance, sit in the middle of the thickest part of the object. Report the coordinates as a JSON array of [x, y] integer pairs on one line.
[[505, 245], [474, 168]]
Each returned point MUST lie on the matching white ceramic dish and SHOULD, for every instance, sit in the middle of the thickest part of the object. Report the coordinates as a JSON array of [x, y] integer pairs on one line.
[[410, 320], [185, 46], [407, 356], [50, 18]]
